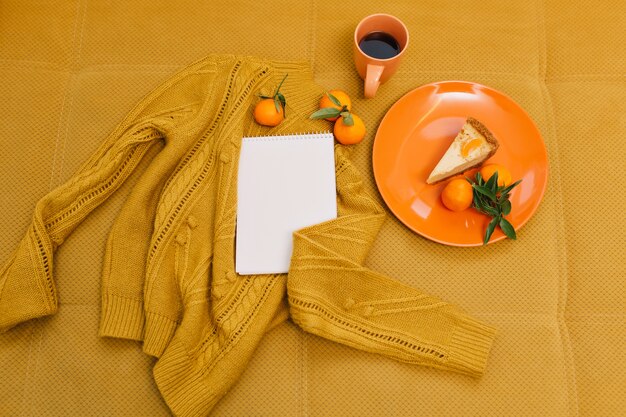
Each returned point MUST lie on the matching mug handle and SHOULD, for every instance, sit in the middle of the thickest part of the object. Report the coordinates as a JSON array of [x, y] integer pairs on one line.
[[372, 79]]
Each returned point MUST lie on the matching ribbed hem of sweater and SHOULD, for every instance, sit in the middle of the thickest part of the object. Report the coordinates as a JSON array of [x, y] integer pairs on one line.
[[121, 317], [159, 332], [183, 387], [469, 346]]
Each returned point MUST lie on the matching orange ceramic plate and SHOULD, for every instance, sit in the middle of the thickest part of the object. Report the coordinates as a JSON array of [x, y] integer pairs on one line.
[[416, 132]]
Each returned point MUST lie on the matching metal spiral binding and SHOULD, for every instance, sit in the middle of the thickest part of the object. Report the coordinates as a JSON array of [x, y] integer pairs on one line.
[[303, 135]]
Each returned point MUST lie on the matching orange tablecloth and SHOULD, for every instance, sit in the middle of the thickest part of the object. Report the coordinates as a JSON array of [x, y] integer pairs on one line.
[[70, 70]]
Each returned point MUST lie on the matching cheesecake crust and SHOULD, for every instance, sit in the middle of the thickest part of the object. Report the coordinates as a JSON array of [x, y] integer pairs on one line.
[[482, 129]]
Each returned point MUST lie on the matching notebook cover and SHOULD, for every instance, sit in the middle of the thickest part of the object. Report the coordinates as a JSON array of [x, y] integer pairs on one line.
[[285, 183]]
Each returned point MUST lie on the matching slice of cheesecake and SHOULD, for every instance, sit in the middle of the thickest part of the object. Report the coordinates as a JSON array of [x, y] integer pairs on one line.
[[470, 148]]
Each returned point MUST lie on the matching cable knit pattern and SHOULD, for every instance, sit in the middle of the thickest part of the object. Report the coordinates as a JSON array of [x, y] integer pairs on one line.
[[169, 277]]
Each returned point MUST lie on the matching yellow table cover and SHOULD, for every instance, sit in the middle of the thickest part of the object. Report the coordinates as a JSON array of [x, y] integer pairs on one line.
[[72, 69]]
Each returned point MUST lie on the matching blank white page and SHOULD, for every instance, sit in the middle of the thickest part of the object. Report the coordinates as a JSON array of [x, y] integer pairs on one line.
[[285, 183]]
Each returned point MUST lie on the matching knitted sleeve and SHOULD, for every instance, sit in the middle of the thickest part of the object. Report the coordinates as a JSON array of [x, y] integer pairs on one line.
[[333, 295], [122, 313], [27, 288]]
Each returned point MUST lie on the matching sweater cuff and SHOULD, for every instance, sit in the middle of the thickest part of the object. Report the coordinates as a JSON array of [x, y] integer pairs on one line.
[[183, 387], [26, 287], [469, 346], [159, 332], [121, 317]]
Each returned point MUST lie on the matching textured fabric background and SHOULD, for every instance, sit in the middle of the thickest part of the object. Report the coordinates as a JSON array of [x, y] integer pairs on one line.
[[70, 71]]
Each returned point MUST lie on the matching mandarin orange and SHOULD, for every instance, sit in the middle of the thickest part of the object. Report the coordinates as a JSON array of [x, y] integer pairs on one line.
[[340, 95], [504, 175], [349, 134], [265, 113], [457, 195]]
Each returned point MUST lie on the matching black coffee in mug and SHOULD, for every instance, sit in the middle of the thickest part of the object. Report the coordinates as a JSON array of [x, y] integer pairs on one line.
[[379, 45]]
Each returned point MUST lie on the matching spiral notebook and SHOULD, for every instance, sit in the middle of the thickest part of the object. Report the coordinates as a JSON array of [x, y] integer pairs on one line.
[[285, 183]]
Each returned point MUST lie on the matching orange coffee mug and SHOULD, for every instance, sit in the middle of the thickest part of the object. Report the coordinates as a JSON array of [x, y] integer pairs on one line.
[[379, 44]]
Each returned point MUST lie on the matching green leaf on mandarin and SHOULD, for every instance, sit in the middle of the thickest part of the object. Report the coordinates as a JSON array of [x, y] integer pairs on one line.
[[325, 112], [334, 99], [347, 118]]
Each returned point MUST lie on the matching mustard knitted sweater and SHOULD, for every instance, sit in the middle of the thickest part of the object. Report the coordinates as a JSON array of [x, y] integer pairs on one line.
[[169, 277]]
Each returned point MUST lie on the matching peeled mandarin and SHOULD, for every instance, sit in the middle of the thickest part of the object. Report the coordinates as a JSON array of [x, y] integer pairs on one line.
[[470, 146]]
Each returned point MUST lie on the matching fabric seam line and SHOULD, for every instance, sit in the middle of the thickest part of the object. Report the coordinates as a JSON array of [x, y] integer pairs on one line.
[[569, 365]]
